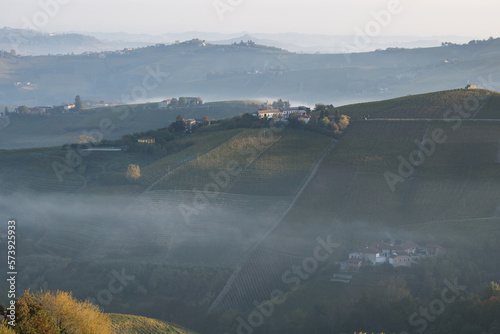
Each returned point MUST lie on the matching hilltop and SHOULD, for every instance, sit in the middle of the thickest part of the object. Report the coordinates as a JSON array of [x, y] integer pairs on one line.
[[219, 72]]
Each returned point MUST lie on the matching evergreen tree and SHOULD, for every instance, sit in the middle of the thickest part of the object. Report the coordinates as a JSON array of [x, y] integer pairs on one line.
[[78, 103]]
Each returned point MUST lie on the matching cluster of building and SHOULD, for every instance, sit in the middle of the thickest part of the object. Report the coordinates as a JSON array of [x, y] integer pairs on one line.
[[402, 255], [189, 101], [104, 54], [40, 109], [283, 114]]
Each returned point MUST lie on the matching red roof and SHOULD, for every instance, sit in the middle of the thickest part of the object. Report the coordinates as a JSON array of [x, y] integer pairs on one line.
[[369, 250]]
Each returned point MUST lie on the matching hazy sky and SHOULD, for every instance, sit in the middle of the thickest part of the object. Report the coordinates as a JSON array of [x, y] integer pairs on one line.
[[478, 18]]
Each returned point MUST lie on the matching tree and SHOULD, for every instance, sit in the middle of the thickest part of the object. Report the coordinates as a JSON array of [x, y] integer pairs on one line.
[[324, 122], [31, 318], [6, 330], [319, 107], [174, 102], [182, 101], [335, 127], [71, 316], [78, 103], [179, 125], [133, 172], [6, 111], [491, 290], [343, 122], [206, 120]]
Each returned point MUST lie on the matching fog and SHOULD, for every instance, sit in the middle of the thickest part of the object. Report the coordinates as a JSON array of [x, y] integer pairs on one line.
[[156, 227]]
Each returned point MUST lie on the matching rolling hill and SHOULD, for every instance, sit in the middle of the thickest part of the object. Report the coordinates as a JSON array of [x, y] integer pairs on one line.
[[107, 122], [246, 70]]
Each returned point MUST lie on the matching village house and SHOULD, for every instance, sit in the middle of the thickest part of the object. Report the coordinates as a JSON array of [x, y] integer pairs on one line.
[[354, 264], [69, 106], [146, 140], [293, 110], [282, 114], [268, 113], [164, 104], [469, 86], [400, 259], [40, 110], [367, 254]]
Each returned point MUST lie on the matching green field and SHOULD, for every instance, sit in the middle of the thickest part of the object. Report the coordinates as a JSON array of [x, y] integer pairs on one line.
[[131, 324]]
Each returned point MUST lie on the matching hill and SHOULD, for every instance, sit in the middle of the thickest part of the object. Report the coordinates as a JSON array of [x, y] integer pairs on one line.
[[429, 106], [219, 72], [216, 223], [35, 43], [22, 131]]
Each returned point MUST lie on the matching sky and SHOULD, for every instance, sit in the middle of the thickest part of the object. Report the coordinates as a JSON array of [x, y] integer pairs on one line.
[[477, 18]]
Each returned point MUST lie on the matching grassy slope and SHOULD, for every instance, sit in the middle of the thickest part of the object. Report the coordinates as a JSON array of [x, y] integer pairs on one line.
[[132, 324]]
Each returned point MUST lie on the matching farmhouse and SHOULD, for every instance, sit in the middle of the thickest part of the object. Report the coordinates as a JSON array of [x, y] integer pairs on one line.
[[68, 106], [293, 110], [367, 254], [146, 140], [400, 259], [164, 104], [282, 114], [269, 113], [354, 264], [469, 86]]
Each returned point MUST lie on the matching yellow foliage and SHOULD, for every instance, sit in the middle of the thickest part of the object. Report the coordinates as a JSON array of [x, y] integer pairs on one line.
[[133, 172], [71, 316], [6, 330]]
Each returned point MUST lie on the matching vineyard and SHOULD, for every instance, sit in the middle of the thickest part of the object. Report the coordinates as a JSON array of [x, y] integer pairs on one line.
[[431, 105], [281, 169]]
